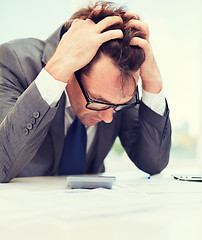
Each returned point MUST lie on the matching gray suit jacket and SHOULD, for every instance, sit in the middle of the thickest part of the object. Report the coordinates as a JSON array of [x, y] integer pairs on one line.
[[32, 132]]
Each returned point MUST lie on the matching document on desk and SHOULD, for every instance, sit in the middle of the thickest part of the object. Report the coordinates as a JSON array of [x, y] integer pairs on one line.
[[144, 195], [72, 204], [155, 204]]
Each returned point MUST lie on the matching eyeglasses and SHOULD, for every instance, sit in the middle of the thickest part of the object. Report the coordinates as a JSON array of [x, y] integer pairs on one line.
[[100, 106]]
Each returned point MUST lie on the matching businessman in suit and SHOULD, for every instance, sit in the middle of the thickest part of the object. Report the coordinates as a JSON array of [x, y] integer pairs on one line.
[[89, 69]]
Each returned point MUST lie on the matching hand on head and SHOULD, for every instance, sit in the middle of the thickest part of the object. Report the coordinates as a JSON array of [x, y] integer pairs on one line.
[[90, 29], [80, 44]]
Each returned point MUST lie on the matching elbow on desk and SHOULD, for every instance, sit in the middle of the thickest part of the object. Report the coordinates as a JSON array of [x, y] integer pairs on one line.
[[4, 175], [154, 171], [3, 179], [154, 163], [152, 167]]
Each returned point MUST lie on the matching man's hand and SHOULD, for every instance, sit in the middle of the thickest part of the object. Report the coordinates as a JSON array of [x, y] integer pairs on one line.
[[79, 45], [149, 72]]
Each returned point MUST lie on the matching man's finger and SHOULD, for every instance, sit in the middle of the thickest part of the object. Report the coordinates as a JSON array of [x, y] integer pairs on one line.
[[136, 41], [75, 20], [143, 27], [138, 24], [107, 22], [111, 34], [129, 15]]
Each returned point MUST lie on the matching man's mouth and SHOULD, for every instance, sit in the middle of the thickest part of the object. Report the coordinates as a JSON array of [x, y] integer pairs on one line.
[[94, 120]]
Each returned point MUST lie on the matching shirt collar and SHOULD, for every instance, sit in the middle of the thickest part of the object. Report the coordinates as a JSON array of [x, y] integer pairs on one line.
[[67, 103], [68, 107]]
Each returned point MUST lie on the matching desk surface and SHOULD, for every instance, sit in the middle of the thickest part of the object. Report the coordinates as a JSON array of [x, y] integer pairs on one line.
[[135, 208]]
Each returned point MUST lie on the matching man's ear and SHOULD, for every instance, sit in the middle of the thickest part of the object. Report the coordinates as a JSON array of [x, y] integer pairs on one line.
[[136, 76]]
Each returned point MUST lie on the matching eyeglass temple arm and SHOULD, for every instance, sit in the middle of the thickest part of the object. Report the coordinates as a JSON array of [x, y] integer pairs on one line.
[[81, 86]]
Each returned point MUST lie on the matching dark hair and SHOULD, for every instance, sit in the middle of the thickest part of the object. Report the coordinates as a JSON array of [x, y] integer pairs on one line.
[[126, 57]]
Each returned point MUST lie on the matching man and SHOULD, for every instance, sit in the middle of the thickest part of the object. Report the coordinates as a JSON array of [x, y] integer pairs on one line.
[[88, 68]]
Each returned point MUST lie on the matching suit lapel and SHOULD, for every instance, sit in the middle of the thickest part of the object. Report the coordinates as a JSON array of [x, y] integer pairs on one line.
[[57, 132], [57, 125], [106, 135], [51, 45]]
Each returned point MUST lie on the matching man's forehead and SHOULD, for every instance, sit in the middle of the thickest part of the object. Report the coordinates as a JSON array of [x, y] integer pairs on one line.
[[112, 80], [109, 90], [105, 76]]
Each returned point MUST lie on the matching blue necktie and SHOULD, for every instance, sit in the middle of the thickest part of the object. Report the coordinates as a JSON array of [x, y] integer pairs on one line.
[[74, 151]]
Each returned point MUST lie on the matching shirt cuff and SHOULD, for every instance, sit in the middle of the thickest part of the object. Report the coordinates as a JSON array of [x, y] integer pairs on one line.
[[50, 89], [155, 101]]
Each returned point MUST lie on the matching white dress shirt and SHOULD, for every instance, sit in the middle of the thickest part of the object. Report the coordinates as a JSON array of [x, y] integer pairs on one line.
[[51, 90]]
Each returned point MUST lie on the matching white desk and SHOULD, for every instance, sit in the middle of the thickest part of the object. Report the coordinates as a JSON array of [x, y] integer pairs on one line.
[[138, 208]]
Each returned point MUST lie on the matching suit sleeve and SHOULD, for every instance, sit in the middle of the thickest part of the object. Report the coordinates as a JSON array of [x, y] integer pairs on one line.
[[146, 137], [24, 116]]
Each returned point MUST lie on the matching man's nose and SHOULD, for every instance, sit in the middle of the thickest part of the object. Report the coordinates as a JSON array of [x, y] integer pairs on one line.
[[106, 115]]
